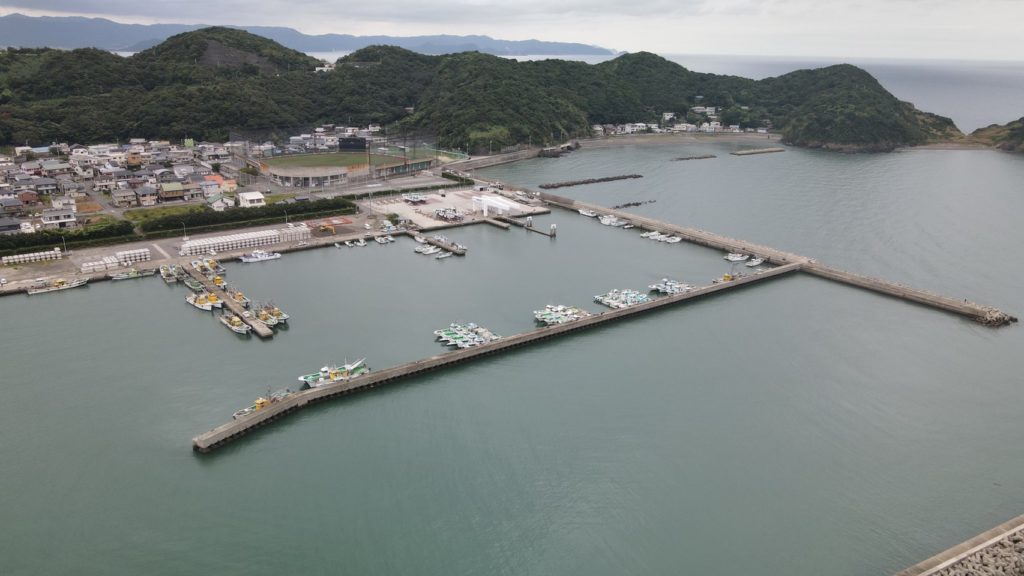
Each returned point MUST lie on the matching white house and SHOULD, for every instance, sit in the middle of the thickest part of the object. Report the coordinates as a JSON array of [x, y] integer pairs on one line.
[[59, 219], [251, 199]]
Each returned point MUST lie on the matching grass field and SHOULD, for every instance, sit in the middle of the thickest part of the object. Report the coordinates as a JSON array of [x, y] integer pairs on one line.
[[142, 214], [377, 158]]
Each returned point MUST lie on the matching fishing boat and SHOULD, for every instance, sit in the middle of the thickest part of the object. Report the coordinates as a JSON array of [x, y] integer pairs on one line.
[[263, 317], [56, 285], [755, 262], [235, 324], [168, 274], [214, 300], [259, 256], [736, 257], [348, 243], [331, 374], [200, 301], [360, 242], [132, 273], [673, 240], [444, 254], [554, 314], [262, 403], [587, 213], [193, 284], [214, 266], [431, 251], [219, 282], [239, 297], [276, 313], [419, 239], [338, 245]]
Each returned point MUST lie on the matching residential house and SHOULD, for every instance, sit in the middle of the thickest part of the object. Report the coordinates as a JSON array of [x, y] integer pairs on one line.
[[251, 199], [51, 168], [44, 185], [170, 191], [125, 197], [28, 197], [59, 219], [146, 196], [9, 225], [11, 206], [220, 202], [64, 203]]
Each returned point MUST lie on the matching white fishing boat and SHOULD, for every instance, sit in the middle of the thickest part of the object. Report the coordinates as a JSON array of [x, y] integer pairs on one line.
[[444, 254], [56, 285], [587, 213], [736, 257], [331, 374], [431, 251], [673, 240], [419, 239], [755, 262], [360, 242], [200, 301], [259, 256], [235, 324]]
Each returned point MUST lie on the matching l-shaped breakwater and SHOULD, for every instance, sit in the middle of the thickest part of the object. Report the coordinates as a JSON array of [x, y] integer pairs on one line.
[[236, 428], [785, 262]]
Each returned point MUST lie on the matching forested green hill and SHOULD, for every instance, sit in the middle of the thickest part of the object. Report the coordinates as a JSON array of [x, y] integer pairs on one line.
[[206, 83]]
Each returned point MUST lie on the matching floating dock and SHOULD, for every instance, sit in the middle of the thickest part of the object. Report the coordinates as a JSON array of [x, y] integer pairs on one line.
[[225, 433], [259, 328]]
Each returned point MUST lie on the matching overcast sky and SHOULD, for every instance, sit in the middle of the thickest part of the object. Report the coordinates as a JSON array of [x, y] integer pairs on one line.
[[945, 29]]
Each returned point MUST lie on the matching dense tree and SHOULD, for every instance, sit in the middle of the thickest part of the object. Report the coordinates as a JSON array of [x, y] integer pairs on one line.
[[207, 83]]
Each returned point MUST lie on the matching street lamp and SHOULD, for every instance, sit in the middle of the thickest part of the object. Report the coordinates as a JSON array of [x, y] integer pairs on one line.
[[184, 233], [285, 215], [63, 241]]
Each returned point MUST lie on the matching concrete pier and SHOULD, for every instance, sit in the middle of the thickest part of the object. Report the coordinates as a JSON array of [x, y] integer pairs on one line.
[[986, 315], [445, 246], [223, 434], [259, 328]]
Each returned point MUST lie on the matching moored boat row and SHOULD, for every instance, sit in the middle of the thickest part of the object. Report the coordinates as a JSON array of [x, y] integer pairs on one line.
[[554, 314], [465, 335], [622, 298]]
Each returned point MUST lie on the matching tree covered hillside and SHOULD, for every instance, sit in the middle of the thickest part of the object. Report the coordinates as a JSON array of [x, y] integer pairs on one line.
[[206, 83]]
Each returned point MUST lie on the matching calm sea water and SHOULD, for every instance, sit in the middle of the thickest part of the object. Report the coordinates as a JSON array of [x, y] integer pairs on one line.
[[798, 427]]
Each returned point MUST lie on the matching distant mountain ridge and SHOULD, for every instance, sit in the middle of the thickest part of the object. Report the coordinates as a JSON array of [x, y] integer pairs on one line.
[[70, 32]]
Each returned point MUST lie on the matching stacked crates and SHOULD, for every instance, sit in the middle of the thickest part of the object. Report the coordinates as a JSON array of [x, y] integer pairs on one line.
[[129, 257], [54, 254], [244, 240]]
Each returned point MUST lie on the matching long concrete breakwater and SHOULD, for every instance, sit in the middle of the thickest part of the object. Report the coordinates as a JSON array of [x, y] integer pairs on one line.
[[986, 315], [998, 551], [237, 428]]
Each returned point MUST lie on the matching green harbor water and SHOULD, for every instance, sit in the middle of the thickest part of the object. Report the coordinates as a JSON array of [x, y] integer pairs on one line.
[[795, 427]]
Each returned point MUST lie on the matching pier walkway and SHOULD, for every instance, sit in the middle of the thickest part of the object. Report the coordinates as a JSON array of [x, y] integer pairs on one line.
[[259, 328], [986, 315], [223, 434]]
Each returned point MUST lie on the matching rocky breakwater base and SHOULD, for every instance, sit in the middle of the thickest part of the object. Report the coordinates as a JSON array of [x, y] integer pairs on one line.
[[996, 552], [588, 181]]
